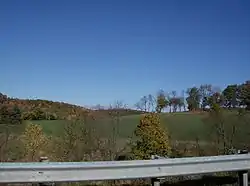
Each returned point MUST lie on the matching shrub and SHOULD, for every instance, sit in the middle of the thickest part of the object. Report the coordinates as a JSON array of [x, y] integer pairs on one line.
[[153, 138], [35, 141]]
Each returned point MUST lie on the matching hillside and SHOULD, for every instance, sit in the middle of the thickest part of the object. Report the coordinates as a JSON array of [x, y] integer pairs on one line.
[[61, 110], [121, 112]]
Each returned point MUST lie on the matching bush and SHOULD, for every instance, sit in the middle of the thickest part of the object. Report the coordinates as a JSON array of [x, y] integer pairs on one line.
[[34, 140], [38, 114], [153, 138], [10, 114]]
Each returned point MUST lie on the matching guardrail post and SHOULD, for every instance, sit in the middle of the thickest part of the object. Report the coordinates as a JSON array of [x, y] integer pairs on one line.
[[243, 175], [45, 159], [155, 182]]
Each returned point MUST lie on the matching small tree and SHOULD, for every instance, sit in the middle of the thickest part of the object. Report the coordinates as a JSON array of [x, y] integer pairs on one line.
[[4, 115], [115, 116], [10, 114], [35, 140], [80, 142], [226, 130], [4, 139], [15, 115], [153, 138]]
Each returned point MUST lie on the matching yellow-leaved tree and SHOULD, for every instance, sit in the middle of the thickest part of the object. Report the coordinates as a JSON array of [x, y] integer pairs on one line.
[[35, 141], [153, 138]]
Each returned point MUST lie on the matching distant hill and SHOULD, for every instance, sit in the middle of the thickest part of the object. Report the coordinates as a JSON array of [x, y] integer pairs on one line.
[[62, 110], [120, 112]]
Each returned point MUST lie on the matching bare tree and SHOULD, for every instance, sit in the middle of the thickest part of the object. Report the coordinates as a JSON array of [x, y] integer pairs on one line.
[[179, 103], [225, 130], [205, 92], [142, 104], [4, 139], [81, 141], [184, 100], [174, 100], [169, 101], [174, 93], [146, 103], [98, 107], [151, 103], [116, 110]]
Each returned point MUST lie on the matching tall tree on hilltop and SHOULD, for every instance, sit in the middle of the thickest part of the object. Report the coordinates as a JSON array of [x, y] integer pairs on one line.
[[231, 96], [180, 103], [146, 103], [205, 92], [142, 104], [183, 100], [245, 94], [170, 103], [193, 98], [162, 101], [175, 103], [151, 102], [216, 99], [174, 100]]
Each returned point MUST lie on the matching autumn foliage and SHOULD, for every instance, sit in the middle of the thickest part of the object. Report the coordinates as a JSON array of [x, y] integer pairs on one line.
[[153, 138], [34, 140]]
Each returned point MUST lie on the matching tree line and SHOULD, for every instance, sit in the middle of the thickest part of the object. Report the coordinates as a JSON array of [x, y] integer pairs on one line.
[[198, 98]]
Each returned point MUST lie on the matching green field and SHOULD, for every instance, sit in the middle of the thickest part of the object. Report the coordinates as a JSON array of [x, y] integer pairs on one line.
[[182, 126]]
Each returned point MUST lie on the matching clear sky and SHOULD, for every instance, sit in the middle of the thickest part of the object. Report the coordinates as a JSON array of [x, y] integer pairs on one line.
[[94, 51]]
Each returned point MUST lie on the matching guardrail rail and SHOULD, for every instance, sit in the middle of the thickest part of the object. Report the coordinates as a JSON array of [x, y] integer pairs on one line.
[[43, 172]]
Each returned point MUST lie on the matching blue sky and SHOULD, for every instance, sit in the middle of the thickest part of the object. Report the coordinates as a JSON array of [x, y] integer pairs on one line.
[[94, 51]]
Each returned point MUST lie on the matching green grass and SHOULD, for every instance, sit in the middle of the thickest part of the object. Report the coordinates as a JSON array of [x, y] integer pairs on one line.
[[12, 129], [182, 126], [185, 126], [52, 127]]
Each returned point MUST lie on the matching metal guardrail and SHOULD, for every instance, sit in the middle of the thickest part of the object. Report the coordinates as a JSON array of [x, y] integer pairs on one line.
[[117, 170]]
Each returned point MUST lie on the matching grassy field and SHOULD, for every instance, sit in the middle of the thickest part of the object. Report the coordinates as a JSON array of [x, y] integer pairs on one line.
[[182, 126]]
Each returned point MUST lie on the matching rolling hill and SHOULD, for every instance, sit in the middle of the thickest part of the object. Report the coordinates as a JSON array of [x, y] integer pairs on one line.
[[183, 126], [63, 111]]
